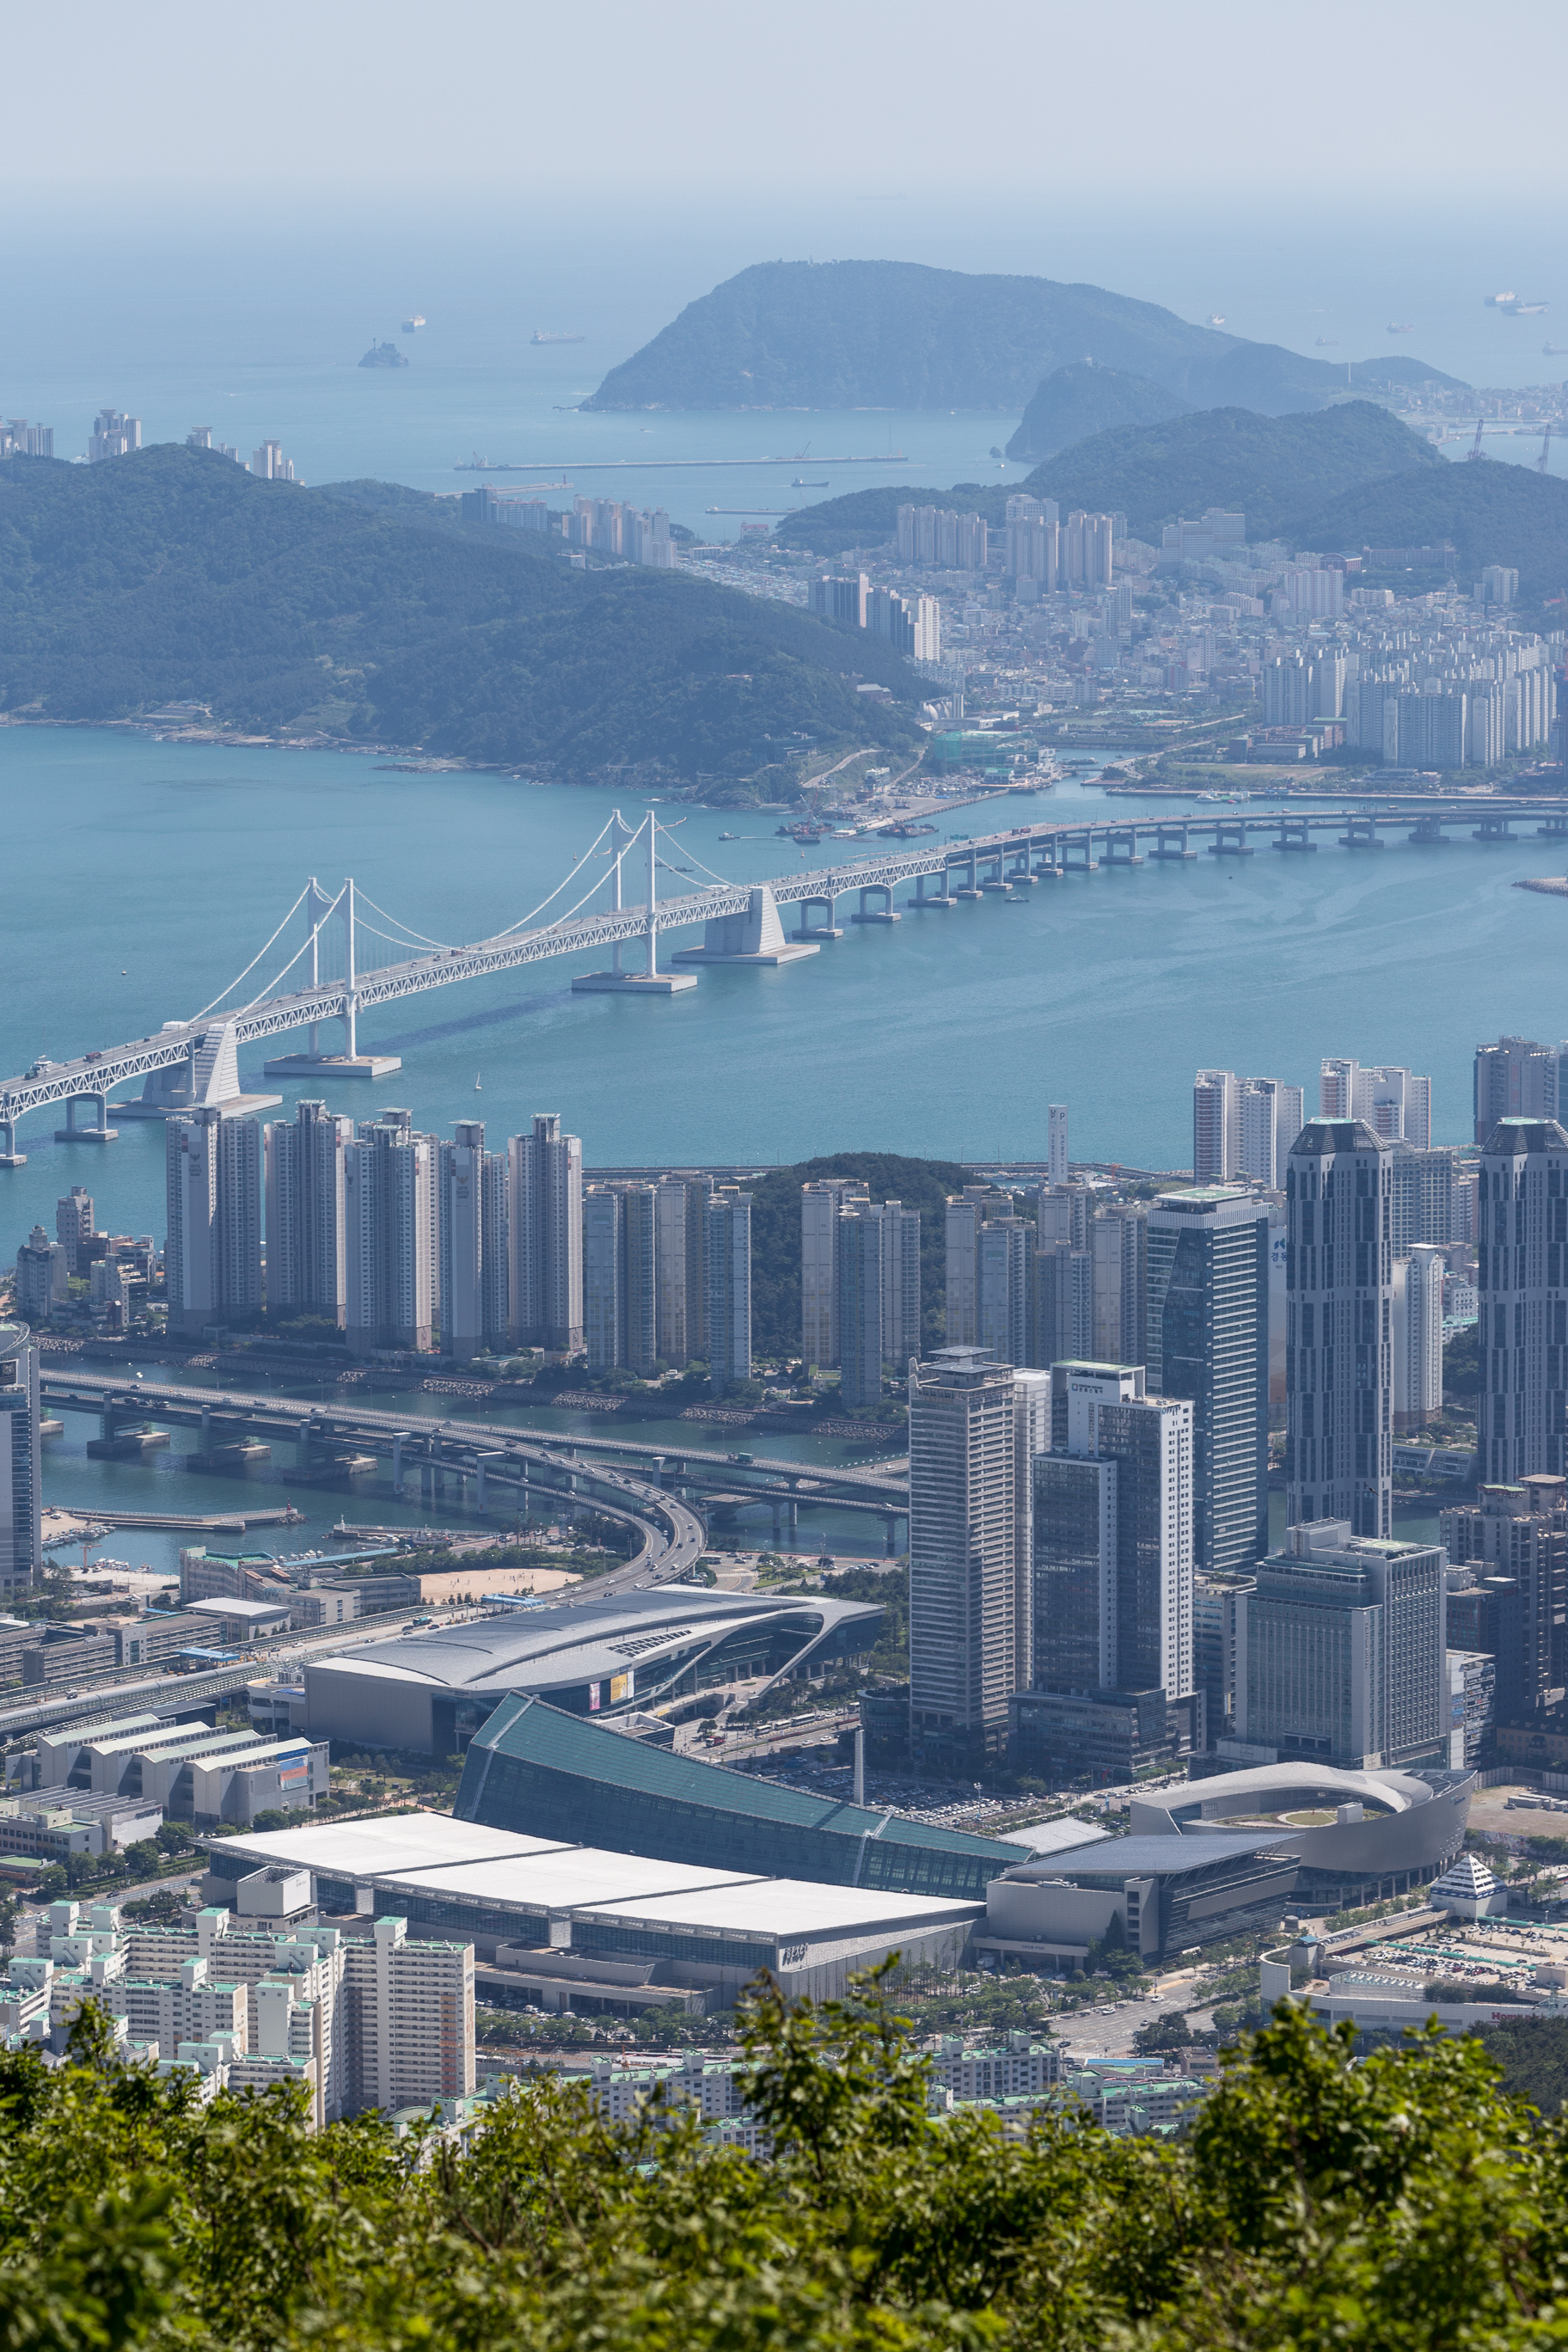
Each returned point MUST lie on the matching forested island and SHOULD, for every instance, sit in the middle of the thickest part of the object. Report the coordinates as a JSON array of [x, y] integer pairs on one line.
[[896, 334]]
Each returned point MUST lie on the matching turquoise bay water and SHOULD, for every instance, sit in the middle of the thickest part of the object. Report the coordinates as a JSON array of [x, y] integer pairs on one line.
[[144, 875]]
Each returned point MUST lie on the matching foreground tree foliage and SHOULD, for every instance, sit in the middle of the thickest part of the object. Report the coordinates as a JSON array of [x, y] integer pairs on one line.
[[1403, 2203]]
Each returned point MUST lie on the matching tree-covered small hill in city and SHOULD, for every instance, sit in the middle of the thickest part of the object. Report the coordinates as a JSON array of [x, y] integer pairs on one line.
[[1081, 399], [1277, 470], [374, 611], [896, 334], [1315, 2203], [922, 1184], [1492, 512], [1274, 469]]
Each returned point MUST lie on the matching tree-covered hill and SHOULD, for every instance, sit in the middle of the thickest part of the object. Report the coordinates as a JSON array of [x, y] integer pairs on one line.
[[1276, 469], [1493, 513], [1081, 399], [1273, 469], [896, 334], [1316, 2203], [374, 611], [922, 1184]]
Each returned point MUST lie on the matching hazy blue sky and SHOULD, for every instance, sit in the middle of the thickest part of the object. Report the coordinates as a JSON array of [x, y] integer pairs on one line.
[[1247, 102]]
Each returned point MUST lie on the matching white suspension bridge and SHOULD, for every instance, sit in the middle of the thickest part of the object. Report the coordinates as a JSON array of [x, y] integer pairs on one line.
[[194, 1062]]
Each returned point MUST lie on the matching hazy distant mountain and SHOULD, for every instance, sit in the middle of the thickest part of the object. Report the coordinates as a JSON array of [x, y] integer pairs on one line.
[[1276, 469], [372, 611], [1081, 399], [894, 334]]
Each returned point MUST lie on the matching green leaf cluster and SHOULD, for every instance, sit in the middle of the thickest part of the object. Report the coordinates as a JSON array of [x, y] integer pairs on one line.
[[1402, 2204]]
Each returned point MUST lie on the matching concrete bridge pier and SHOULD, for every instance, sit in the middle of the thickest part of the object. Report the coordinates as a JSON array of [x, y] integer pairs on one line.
[[1171, 844], [1360, 833], [1430, 829], [1121, 846], [1230, 838], [1084, 862], [1293, 833], [890, 1533], [397, 1462], [9, 1155], [825, 929], [1494, 828], [924, 897], [971, 888], [98, 1131], [882, 914]]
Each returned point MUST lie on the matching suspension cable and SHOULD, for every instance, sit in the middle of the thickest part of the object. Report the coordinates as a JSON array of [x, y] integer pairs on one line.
[[256, 958]]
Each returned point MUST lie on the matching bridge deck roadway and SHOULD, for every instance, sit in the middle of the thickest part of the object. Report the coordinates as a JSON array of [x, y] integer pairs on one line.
[[117, 1065], [673, 1533], [288, 1417]]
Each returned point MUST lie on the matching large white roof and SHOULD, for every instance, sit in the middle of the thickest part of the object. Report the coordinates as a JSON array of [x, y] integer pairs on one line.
[[402, 1842], [435, 1855]]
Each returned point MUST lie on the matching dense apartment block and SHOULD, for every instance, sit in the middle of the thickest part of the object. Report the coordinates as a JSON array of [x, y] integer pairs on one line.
[[1523, 1282], [1340, 1327]]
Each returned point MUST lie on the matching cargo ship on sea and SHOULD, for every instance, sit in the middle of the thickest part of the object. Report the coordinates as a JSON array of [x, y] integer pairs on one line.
[[539, 336]]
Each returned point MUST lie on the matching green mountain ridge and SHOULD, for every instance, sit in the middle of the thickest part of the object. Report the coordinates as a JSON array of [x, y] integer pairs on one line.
[[897, 335], [371, 611], [1076, 402], [1276, 469]]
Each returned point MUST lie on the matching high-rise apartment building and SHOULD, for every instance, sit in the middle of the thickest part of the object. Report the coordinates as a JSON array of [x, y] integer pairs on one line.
[[820, 1204], [1219, 1640], [912, 624], [460, 1226], [1114, 1536], [74, 1226], [1208, 1341], [1216, 1126], [1242, 1128], [42, 1284], [1005, 1289], [1087, 550], [269, 465], [1522, 1280], [1508, 1588], [411, 2020], [727, 1284], [1057, 1170], [1340, 1327], [966, 1213], [113, 435], [963, 1567], [21, 1469], [1394, 1103], [1270, 1117], [620, 1277], [390, 1280], [1418, 1338], [306, 1270], [1063, 1305], [835, 599], [1516, 1078], [1346, 1659], [1424, 1191], [604, 1276], [878, 1295], [679, 1264], [212, 1259], [941, 536], [1034, 536], [546, 1237], [1117, 1242]]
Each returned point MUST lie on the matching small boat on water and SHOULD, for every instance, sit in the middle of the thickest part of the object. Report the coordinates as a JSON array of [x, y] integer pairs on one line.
[[479, 1088], [735, 836]]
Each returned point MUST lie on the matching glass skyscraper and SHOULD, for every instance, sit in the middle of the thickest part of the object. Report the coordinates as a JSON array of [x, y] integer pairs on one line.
[[1208, 1340]]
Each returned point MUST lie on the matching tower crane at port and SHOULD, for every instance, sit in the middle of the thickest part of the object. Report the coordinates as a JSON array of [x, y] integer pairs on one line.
[[1542, 462], [1476, 451]]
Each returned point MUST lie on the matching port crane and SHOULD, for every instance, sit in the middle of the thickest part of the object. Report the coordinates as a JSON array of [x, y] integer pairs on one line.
[[1477, 451], [1542, 462]]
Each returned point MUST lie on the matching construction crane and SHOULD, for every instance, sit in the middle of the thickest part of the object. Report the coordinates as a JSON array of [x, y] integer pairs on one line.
[[1542, 462], [1477, 451]]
